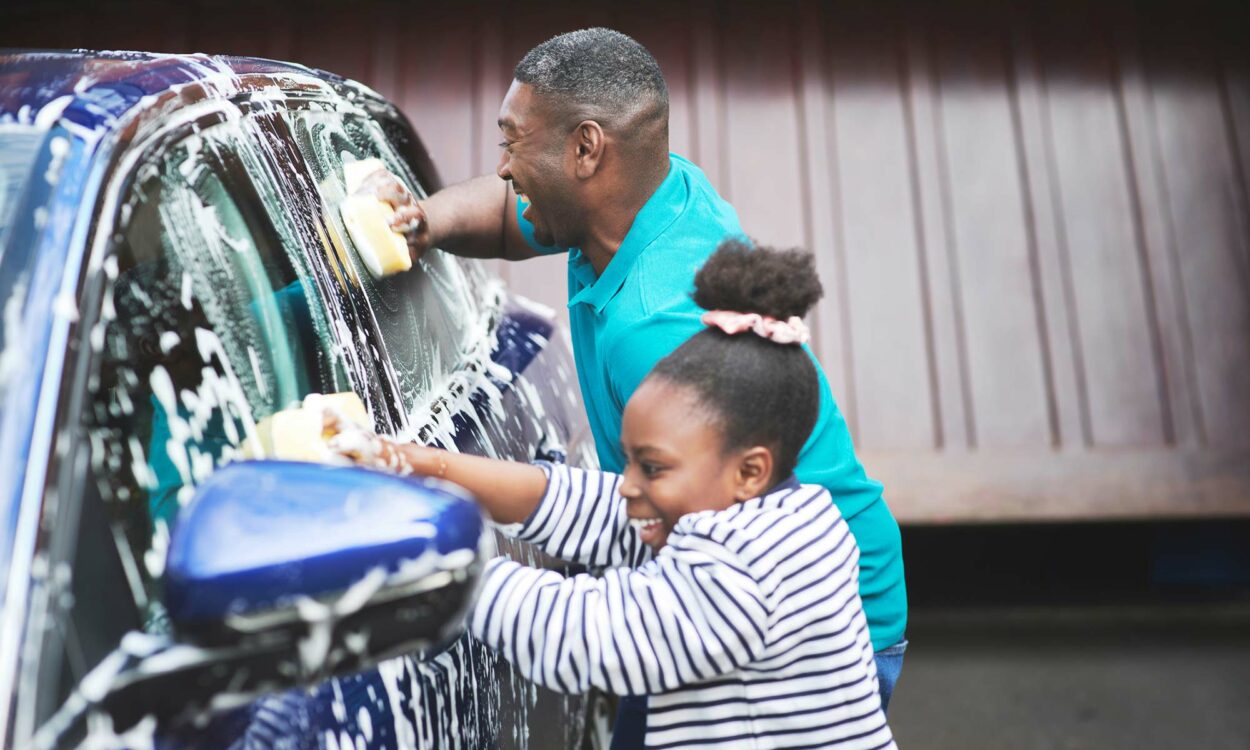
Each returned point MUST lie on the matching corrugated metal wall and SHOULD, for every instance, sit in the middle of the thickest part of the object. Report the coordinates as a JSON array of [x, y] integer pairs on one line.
[[1033, 226]]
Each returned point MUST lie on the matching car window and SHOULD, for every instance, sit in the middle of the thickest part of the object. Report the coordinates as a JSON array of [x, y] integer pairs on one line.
[[19, 145], [209, 322], [427, 317]]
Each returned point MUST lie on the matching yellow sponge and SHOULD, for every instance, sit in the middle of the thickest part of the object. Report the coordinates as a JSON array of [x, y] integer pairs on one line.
[[355, 172], [299, 434], [382, 250]]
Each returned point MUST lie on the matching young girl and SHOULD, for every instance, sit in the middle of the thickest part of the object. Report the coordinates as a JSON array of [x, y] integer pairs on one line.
[[729, 613]]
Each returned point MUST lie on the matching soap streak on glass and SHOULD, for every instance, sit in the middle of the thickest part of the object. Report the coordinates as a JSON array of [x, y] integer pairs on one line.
[[228, 301]]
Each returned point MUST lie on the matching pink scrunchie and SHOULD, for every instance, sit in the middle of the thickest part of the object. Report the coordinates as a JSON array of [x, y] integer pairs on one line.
[[791, 331]]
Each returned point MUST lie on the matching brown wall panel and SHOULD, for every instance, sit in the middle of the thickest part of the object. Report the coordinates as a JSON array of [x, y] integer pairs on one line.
[[115, 22], [434, 85], [1205, 207], [821, 205], [336, 38], [263, 30], [1114, 324], [762, 129], [1009, 386], [1070, 406], [953, 416], [1176, 343], [878, 231], [708, 101], [1032, 222]]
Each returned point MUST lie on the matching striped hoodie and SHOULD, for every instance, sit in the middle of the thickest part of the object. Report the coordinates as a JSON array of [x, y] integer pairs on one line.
[[746, 630]]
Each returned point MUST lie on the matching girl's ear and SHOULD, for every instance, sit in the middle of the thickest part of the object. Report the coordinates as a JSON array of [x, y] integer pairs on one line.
[[755, 472]]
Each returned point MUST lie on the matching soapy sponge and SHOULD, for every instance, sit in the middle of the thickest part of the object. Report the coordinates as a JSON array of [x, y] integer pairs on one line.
[[383, 250], [301, 433]]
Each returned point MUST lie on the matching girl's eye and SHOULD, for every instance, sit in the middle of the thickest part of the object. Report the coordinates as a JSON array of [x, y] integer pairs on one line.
[[649, 469]]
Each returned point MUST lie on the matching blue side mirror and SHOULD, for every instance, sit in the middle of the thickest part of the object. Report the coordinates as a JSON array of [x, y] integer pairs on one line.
[[339, 556], [281, 574], [263, 534]]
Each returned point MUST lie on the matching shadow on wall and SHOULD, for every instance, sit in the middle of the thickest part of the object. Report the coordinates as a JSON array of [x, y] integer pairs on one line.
[[1077, 564]]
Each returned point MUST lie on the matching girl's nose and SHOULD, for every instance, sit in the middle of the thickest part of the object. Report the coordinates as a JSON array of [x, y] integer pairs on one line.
[[629, 490]]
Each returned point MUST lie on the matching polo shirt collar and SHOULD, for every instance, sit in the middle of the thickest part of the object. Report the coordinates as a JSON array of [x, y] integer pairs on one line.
[[660, 211]]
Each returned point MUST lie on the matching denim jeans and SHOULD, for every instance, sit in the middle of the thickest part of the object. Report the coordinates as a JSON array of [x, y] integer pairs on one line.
[[630, 729], [889, 665]]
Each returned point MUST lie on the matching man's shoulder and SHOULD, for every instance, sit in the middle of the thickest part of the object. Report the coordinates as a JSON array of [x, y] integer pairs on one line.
[[704, 206], [691, 172]]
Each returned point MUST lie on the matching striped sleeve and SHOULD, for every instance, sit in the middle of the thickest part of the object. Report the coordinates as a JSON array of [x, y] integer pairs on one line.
[[687, 616], [582, 519]]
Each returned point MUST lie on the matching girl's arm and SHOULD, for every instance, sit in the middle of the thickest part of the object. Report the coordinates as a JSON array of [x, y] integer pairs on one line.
[[569, 513], [508, 491], [582, 518], [688, 616]]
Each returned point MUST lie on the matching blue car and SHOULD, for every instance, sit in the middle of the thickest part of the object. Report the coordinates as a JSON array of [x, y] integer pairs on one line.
[[173, 270]]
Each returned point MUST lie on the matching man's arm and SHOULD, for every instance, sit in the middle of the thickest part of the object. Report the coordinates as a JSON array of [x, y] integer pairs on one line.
[[475, 218]]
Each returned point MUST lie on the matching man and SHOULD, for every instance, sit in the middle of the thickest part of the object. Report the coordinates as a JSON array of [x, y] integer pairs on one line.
[[586, 171]]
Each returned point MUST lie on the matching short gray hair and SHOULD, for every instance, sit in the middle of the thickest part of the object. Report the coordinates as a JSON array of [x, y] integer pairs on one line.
[[595, 71]]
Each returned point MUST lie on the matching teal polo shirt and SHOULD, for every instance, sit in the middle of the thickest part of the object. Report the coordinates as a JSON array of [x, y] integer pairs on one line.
[[628, 319]]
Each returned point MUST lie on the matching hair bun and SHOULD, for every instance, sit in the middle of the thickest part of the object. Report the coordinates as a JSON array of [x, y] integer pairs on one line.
[[776, 283]]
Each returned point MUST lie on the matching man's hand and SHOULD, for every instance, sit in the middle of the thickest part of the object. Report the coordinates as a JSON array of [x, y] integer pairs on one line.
[[410, 218]]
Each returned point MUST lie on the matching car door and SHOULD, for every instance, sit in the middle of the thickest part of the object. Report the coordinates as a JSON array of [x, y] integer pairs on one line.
[[224, 291], [195, 324]]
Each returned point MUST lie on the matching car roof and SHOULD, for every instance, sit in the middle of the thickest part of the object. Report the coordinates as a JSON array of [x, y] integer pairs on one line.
[[89, 104], [95, 89]]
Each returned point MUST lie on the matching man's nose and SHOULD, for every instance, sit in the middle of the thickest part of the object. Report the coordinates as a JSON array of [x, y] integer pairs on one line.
[[504, 167]]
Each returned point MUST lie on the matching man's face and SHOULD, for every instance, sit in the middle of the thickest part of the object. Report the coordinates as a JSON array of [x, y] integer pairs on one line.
[[534, 160], [676, 462]]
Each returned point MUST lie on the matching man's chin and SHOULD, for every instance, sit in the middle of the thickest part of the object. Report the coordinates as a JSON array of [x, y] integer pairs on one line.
[[544, 238]]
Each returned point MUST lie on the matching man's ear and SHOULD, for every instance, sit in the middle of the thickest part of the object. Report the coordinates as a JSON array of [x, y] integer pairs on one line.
[[755, 472], [589, 141]]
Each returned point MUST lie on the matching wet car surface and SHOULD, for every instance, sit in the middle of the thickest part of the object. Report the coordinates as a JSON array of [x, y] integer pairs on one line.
[[173, 269]]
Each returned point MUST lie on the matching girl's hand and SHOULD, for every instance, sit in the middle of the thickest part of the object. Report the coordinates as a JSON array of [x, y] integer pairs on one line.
[[365, 447]]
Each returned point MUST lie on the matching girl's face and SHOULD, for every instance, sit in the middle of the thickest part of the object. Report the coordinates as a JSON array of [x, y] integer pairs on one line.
[[677, 463]]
